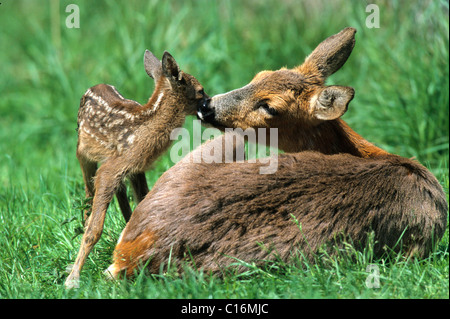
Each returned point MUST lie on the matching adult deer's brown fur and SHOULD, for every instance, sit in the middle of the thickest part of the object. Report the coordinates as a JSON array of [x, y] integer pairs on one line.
[[337, 185], [127, 138]]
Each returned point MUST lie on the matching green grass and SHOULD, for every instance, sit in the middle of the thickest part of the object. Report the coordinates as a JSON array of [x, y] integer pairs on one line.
[[400, 73]]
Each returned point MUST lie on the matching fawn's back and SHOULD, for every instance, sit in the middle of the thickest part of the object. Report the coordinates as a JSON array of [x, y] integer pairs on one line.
[[110, 125], [106, 122]]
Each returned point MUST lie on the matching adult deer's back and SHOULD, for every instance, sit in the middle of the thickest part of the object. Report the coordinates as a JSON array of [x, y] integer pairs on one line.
[[218, 211]]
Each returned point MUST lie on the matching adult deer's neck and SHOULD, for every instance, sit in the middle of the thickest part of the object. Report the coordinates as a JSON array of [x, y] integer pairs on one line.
[[330, 137], [364, 147]]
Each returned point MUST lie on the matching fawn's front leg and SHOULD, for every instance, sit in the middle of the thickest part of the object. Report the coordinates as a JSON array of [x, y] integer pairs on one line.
[[122, 199], [140, 190], [139, 185], [108, 179]]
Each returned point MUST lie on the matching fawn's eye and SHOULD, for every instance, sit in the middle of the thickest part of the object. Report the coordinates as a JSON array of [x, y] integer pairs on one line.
[[200, 94], [265, 106]]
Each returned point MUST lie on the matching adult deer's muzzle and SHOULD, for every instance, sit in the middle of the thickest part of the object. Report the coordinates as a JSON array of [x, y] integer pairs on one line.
[[204, 111]]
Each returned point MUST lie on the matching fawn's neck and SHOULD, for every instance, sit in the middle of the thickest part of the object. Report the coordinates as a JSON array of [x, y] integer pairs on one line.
[[330, 137], [164, 107], [164, 112]]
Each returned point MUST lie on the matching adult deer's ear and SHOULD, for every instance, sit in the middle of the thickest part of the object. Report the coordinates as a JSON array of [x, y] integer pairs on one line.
[[170, 68], [152, 65], [332, 102], [330, 55]]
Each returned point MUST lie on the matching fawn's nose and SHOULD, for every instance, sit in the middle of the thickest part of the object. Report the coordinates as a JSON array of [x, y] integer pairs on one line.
[[204, 111]]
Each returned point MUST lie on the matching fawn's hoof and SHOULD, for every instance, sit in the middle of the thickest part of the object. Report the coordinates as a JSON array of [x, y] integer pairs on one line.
[[111, 272], [72, 283]]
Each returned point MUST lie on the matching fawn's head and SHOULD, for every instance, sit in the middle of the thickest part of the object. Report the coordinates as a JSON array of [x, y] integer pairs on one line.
[[184, 87], [288, 97]]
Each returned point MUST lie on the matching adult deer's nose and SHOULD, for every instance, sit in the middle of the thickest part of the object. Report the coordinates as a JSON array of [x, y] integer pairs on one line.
[[204, 111]]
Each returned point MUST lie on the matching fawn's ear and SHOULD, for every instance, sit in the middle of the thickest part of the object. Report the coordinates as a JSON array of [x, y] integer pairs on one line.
[[170, 68], [152, 65], [332, 102], [330, 55]]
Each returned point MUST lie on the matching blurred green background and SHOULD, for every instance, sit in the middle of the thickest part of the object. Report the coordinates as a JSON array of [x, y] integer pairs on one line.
[[400, 72]]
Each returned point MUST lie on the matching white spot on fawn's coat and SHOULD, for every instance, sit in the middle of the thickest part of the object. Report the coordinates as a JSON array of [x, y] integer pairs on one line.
[[158, 100]]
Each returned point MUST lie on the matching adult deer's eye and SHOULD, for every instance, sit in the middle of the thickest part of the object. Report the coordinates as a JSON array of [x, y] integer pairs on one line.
[[265, 106]]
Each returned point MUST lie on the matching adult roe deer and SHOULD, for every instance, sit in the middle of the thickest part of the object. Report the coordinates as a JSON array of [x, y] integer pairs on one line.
[[336, 184], [127, 138]]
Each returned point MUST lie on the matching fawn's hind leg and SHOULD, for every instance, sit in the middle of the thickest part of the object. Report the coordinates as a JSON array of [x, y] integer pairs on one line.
[[108, 179], [89, 169]]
